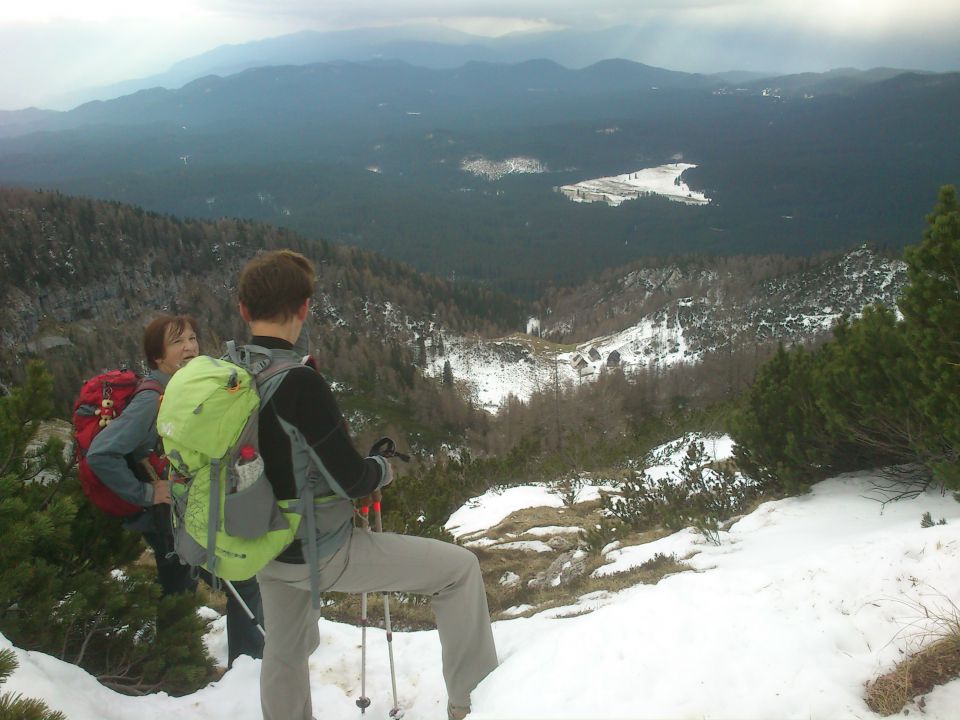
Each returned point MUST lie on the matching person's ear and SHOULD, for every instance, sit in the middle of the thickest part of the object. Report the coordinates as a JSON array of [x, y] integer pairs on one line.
[[304, 309], [244, 313]]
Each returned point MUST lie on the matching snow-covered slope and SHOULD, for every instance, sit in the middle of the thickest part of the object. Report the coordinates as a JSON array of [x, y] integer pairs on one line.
[[702, 311], [801, 603]]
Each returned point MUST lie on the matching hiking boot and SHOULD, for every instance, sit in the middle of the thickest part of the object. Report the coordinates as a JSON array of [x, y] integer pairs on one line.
[[455, 712]]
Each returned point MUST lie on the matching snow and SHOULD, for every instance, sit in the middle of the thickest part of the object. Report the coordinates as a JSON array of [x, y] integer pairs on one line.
[[496, 169], [484, 512], [662, 180], [801, 603], [518, 610], [524, 545], [664, 460], [681, 545], [552, 530], [497, 369]]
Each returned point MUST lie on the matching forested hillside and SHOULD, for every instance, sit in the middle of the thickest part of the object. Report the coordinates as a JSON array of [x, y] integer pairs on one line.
[[81, 278], [730, 300]]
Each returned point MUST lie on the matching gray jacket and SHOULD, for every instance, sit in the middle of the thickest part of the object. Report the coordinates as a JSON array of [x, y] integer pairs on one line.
[[132, 435]]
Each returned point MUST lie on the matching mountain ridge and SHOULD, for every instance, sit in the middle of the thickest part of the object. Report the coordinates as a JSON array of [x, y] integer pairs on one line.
[[427, 46], [18, 122], [667, 315]]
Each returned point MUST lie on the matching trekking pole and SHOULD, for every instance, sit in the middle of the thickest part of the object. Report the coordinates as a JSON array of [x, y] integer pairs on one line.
[[396, 712], [386, 448], [363, 702], [246, 608]]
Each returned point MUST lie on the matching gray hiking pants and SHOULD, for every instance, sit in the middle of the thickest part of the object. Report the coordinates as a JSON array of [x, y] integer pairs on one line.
[[370, 562]]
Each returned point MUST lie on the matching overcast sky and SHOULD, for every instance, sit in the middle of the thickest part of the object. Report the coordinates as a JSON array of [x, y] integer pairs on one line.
[[52, 47]]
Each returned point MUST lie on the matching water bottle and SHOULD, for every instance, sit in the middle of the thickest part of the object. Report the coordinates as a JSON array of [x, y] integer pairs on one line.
[[249, 467]]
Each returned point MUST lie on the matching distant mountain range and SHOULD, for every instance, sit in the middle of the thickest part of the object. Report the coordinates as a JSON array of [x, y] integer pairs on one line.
[[372, 154], [425, 46]]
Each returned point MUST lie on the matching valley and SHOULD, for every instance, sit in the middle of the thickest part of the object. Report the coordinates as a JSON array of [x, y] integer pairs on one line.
[[467, 188]]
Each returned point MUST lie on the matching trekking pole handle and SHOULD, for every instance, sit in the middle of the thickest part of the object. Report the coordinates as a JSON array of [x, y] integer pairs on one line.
[[386, 447]]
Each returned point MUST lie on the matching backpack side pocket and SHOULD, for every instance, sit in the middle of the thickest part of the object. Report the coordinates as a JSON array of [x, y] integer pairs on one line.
[[253, 511]]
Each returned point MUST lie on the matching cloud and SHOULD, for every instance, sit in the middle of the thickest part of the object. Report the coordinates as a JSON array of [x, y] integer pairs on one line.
[[61, 45], [59, 57], [835, 16]]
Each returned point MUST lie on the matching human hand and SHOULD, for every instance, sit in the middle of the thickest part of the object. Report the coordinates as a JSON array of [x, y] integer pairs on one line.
[[161, 492]]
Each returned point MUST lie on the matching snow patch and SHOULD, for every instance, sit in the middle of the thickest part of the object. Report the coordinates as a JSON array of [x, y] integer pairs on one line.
[[662, 180]]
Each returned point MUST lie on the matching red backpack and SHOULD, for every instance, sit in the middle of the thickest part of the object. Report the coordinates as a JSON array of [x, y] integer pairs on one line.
[[102, 398]]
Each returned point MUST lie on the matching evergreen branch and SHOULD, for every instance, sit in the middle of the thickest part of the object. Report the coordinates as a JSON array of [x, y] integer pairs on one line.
[[86, 640], [128, 685]]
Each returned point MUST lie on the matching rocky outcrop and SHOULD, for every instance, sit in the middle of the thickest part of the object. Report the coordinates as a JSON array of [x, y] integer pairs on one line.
[[567, 567]]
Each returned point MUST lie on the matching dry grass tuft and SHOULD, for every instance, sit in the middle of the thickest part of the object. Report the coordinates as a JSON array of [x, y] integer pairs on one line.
[[407, 612], [917, 675], [936, 619], [520, 521], [213, 599]]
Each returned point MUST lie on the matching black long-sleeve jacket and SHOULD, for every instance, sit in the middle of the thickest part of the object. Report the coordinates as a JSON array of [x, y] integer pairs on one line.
[[304, 400]]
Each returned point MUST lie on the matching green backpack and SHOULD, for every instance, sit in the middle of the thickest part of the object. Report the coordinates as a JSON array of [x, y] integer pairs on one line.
[[224, 513], [225, 516]]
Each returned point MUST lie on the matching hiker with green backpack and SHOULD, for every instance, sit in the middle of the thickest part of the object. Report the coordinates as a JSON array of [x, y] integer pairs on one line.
[[265, 474], [118, 457]]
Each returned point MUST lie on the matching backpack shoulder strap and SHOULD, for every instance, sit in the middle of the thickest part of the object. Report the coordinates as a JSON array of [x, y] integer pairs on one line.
[[265, 364], [254, 358], [269, 379], [148, 383]]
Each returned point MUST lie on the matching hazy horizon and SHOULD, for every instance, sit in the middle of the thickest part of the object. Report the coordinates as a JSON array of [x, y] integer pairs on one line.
[[58, 47]]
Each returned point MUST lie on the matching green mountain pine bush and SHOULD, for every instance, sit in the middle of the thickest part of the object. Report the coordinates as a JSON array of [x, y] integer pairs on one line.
[[700, 494], [882, 392], [931, 306], [69, 585]]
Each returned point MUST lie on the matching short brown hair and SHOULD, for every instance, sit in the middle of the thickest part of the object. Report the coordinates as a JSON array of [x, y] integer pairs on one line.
[[155, 335], [274, 285]]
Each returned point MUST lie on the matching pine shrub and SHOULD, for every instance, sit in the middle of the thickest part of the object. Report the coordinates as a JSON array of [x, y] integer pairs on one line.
[[697, 495], [931, 308], [595, 539], [68, 583], [883, 392]]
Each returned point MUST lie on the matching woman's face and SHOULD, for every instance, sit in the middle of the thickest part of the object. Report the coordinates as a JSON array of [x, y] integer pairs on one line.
[[178, 349]]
